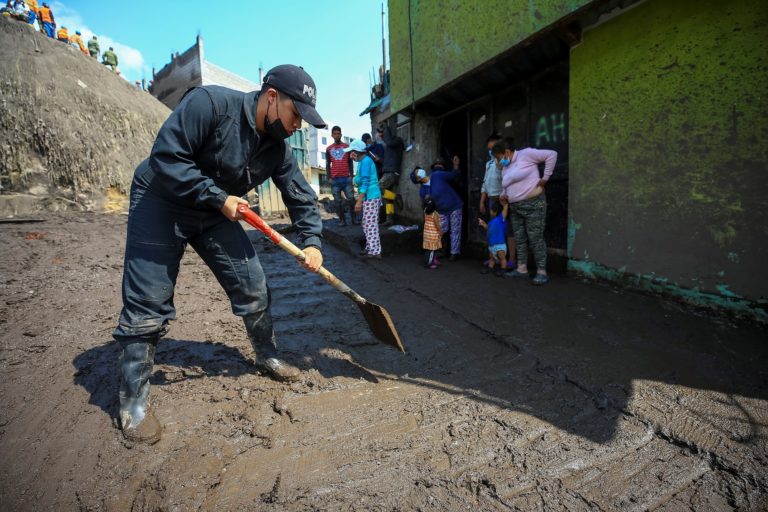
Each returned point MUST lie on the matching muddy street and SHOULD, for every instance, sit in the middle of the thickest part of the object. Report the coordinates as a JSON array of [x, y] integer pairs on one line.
[[573, 396]]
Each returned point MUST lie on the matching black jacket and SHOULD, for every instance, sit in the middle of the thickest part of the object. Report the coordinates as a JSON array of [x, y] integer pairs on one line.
[[393, 152], [208, 149]]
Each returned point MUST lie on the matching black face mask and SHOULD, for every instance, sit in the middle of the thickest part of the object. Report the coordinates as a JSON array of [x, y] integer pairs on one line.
[[276, 130]]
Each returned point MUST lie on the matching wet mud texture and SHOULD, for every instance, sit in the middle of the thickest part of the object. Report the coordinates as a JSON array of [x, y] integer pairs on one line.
[[567, 397]]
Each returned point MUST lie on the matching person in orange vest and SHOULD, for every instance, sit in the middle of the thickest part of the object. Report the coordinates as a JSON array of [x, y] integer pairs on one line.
[[63, 35], [47, 20], [76, 40]]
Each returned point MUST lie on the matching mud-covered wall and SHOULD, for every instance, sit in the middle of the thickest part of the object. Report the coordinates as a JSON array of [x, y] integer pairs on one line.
[[452, 37], [668, 151], [71, 131]]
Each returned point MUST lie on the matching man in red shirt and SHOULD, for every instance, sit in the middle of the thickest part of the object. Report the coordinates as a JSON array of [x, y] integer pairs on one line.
[[338, 165]]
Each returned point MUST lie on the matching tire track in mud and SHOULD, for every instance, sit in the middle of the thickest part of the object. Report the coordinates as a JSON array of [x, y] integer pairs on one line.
[[705, 460]]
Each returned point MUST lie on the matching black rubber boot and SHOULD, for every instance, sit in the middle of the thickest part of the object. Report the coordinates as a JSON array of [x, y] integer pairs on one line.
[[262, 336], [136, 417], [340, 212]]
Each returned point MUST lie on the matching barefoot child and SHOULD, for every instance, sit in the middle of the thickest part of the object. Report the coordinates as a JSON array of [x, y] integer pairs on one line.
[[497, 243]]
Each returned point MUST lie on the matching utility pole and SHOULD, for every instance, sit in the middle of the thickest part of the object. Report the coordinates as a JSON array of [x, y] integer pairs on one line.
[[383, 47]]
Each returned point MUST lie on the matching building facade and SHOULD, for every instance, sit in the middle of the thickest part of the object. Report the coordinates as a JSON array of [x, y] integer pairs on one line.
[[190, 69], [657, 111], [318, 141]]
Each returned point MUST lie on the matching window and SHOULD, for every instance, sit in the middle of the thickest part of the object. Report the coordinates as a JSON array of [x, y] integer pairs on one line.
[[325, 141]]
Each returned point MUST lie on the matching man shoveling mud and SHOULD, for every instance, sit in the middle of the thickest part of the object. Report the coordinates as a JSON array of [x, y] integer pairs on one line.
[[215, 146]]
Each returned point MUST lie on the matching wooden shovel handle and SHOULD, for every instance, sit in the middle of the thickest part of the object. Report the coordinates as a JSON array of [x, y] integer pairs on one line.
[[257, 222]]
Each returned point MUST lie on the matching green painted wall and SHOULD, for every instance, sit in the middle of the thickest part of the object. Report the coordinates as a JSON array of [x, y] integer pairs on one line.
[[451, 37], [669, 148]]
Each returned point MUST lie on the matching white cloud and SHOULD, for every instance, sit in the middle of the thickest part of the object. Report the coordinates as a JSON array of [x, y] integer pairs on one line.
[[130, 60]]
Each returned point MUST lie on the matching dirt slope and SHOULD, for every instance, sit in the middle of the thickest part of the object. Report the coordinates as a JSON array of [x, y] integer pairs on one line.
[[72, 131]]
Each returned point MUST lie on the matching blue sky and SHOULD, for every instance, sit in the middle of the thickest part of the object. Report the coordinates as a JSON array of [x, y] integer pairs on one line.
[[338, 43]]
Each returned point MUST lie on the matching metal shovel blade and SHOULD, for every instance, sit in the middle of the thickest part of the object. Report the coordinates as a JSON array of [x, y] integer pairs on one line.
[[377, 317], [381, 324]]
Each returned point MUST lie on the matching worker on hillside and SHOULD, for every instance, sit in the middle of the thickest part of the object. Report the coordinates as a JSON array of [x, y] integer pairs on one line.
[[63, 35], [77, 41], [110, 59], [47, 20], [32, 14], [217, 145], [93, 47]]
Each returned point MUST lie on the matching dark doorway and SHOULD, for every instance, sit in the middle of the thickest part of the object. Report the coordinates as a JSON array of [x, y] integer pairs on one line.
[[454, 140], [535, 112]]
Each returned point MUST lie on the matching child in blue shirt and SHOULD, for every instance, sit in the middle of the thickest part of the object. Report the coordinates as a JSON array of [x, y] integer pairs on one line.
[[497, 238]]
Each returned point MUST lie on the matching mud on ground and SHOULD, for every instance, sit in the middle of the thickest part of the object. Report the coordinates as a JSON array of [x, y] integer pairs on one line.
[[568, 397]]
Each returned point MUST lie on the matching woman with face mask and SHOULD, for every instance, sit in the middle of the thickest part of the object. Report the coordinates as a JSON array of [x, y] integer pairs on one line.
[[214, 147], [524, 190], [491, 189], [368, 197]]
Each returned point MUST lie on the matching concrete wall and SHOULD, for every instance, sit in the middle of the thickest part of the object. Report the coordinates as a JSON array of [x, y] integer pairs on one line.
[[214, 75], [466, 35], [190, 69], [317, 147], [668, 151]]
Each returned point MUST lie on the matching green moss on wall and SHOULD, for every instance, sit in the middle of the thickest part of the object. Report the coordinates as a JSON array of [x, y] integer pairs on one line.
[[452, 37], [669, 142]]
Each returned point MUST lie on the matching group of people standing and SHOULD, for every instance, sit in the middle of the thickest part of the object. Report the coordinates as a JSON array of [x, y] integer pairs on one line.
[[513, 195], [512, 200], [30, 12], [378, 174], [512, 208]]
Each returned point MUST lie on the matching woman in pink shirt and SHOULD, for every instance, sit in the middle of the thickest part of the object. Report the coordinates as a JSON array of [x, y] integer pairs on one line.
[[524, 189]]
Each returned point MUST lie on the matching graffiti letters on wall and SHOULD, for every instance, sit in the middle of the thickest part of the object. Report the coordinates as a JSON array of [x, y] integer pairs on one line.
[[551, 129]]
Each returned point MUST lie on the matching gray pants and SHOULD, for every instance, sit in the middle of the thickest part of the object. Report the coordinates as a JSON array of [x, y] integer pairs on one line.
[[528, 218]]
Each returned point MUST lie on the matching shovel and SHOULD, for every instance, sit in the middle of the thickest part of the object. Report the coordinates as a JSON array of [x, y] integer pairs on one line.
[[377, 317]]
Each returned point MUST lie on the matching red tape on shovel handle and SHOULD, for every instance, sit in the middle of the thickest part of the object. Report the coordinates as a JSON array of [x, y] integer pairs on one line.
[[377, 317], [254, 220]]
